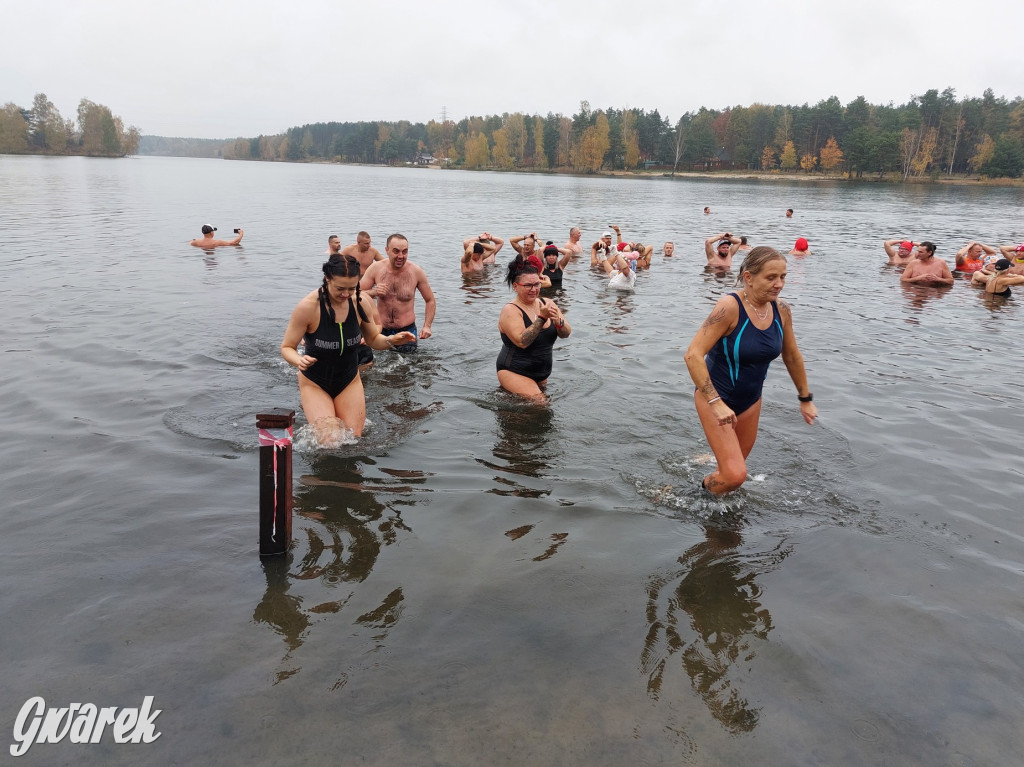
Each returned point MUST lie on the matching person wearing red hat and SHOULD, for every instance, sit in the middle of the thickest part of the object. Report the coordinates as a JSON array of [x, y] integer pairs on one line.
[[801, 247], [1015, 255], [900, 252]]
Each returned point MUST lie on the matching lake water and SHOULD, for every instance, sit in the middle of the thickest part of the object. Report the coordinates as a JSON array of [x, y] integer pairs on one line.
[[479, 580]]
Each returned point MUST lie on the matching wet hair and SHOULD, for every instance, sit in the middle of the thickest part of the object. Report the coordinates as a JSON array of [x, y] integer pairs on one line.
[[743, 240], [757, 259], [340, 266], [929, 246], [333, 237], [478, 248], [516, 267], [396, 235]]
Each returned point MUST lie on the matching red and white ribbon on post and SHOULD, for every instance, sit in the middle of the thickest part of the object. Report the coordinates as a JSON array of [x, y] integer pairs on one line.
[[279, 439]]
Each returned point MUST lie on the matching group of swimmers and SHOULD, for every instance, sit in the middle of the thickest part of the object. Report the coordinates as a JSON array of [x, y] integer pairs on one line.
[[994, 269], [728, 357], [366, 301]]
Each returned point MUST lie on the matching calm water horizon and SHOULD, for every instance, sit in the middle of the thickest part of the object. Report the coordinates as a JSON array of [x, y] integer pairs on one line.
[[480, 579]]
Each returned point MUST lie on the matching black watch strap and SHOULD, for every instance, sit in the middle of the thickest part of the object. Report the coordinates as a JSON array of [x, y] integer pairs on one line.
[[808, 398]]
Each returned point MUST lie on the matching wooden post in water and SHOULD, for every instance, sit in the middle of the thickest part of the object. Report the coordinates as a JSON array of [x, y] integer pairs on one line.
[[275, 429]]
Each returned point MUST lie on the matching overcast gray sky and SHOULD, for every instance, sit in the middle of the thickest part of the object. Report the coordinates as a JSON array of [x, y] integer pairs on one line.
[[230, 68]]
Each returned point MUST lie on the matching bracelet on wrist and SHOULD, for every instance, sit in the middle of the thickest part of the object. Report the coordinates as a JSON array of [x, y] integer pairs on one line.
[[714, 399], [808, 398]]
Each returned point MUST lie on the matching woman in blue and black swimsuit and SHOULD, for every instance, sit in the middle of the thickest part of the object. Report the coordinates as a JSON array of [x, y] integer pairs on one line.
[[728, 360]]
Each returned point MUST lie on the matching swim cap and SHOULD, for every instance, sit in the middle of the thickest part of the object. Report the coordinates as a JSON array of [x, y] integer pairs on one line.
[[801, 244], [907, 245], [1002, 264], [622, 246], [1019, 249]]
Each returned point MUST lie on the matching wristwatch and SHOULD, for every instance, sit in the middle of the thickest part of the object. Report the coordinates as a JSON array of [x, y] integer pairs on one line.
[[808, 398]]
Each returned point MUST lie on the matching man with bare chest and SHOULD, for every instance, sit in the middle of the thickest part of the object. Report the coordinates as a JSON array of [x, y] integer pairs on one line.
[[363, 252], [394, 282], [572, 246], [927, 269], [900, 252]]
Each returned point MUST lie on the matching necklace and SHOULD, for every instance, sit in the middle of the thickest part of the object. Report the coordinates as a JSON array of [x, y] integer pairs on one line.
[[760, 315]]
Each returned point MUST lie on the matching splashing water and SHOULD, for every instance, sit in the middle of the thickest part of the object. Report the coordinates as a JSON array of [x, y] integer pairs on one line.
[[327, 433]]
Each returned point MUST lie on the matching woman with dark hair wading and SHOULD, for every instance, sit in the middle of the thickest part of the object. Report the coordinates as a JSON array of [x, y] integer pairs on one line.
[[529, 326], [728, 360], [332, 321]]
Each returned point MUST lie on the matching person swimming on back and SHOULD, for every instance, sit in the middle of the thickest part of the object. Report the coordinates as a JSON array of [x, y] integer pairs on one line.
[[621, 269]]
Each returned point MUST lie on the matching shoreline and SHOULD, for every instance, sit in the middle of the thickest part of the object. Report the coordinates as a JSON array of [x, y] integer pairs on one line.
[[740, 175], [728, 175]]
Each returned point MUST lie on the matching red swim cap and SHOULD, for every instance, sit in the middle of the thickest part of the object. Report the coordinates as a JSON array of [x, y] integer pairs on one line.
[[801, 244], [907, 245], [622, 246]]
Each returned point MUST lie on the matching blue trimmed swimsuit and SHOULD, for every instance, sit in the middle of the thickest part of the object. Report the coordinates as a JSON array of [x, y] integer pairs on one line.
[[738, 363]]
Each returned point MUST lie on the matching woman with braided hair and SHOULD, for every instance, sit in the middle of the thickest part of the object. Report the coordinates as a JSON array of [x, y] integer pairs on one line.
[[332, 325]]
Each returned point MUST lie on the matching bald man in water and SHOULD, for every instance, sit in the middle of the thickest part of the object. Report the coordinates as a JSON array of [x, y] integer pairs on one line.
[[363, 252], [572, 246]]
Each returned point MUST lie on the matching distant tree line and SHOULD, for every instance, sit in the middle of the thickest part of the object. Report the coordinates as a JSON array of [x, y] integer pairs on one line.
[[42, 130], [931, 135]]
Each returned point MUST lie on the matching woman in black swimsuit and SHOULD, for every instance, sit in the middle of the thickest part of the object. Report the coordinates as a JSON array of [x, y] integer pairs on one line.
[[553, 265], [998, 281], [332, 325], [528, 326]]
